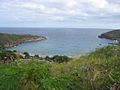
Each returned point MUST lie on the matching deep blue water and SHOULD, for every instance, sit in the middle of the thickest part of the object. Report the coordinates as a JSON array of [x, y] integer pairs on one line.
[[62, 41]]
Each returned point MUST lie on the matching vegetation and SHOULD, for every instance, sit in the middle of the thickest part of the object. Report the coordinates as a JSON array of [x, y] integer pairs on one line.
[[112, 35], [26, 54], [99, 70], [10, 40], [7, 56], [58, 59]]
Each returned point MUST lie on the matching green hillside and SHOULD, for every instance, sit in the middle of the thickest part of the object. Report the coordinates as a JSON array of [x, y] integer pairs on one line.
[[99, 70]]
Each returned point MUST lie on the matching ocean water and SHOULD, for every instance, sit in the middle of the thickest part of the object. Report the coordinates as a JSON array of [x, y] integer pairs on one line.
[[61, 41]]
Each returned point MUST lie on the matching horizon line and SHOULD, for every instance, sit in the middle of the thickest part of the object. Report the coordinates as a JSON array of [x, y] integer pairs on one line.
[[60, 27]]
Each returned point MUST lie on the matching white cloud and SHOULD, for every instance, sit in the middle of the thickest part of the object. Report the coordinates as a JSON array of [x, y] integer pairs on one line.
[[58, 18], [59, 9], [32, 6]]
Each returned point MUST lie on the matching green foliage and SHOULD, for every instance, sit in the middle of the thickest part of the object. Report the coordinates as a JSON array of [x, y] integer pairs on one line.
[[97, 71], [26, 54], [30, 76], [7, 54], [58, 59]]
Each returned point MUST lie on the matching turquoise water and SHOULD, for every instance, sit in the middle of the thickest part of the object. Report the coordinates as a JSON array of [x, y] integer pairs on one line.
[[62, 41]]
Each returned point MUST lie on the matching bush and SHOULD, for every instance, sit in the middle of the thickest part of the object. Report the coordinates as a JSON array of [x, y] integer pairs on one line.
[[60, 59], [30, 76], [7, 55], [26, 54], [99, 70]]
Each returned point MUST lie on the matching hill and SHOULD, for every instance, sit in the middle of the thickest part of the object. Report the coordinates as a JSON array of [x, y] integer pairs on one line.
[[112, 35]]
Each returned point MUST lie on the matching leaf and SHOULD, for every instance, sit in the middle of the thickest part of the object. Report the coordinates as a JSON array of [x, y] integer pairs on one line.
[[96, 75]]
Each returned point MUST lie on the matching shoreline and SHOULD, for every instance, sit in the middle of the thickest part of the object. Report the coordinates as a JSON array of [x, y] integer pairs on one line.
[[44, 55], [30, 41], [13, 40], [26, 41]]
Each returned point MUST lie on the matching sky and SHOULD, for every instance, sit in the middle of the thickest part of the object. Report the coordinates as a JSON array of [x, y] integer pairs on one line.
[[60, 13]]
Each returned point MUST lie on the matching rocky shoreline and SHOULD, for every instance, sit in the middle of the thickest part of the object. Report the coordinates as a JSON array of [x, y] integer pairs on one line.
[[12, 40]]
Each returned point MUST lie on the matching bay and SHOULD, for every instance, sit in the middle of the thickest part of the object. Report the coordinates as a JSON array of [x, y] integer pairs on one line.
[[61, 41]]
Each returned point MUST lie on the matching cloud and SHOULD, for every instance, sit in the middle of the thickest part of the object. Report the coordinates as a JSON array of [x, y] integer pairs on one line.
[[59, 10]]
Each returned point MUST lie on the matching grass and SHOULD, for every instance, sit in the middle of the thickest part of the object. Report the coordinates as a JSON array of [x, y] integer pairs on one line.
[[98, 70]]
